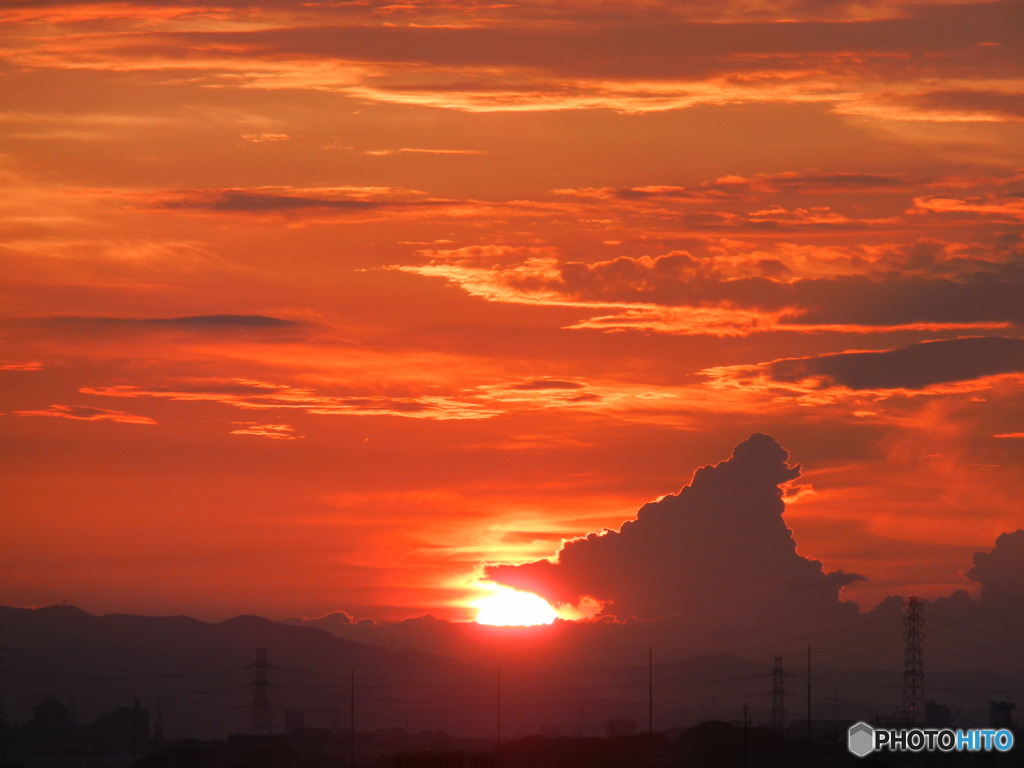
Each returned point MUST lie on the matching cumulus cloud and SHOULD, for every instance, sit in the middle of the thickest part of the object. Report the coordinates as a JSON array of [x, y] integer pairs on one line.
[[1001, 571], [716, 551]]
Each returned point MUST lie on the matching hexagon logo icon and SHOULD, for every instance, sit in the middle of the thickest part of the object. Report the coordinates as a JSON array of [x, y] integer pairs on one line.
[[860, 739]]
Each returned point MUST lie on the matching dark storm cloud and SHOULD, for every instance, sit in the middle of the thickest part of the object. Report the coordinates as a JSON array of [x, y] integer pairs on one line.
[[717, 549], [912, 367]]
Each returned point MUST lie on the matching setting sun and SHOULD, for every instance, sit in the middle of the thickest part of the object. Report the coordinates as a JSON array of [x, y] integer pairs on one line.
[[511, 608]]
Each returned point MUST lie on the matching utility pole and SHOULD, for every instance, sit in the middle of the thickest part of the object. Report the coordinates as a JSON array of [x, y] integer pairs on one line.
[[650, 705], [497, 721], [808, 693], [810, 747], [259, 706], [158, 728], [352, 720], [778, 696], [746, 734], [913, 659]]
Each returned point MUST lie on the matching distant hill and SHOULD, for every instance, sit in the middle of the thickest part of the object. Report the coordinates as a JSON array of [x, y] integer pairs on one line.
[[551, 681], [197, 672], [971, 657]]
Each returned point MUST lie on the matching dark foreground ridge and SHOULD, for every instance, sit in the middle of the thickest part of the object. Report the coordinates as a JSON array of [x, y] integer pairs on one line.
[[710, 744]]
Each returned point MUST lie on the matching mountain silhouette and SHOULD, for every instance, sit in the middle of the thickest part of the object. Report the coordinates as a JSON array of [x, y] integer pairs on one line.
[[198, 672]]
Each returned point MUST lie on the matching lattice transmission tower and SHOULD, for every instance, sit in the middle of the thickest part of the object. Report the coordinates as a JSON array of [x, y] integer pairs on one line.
[[778, 695], [259, 706], [913, 660]]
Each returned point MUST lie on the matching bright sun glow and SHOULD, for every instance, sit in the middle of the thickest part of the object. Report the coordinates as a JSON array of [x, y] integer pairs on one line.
[[508, 607]]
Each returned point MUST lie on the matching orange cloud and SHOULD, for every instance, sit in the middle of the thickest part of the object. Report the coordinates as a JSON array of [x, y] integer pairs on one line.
[[537, 56], [88, 413], [1006, 208], [733, 321], [734, 187], [681, 293], [272, 431], [260, 395], [421, 151]]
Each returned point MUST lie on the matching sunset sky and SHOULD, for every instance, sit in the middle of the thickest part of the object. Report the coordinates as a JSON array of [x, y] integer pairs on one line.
[[323, 306]]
